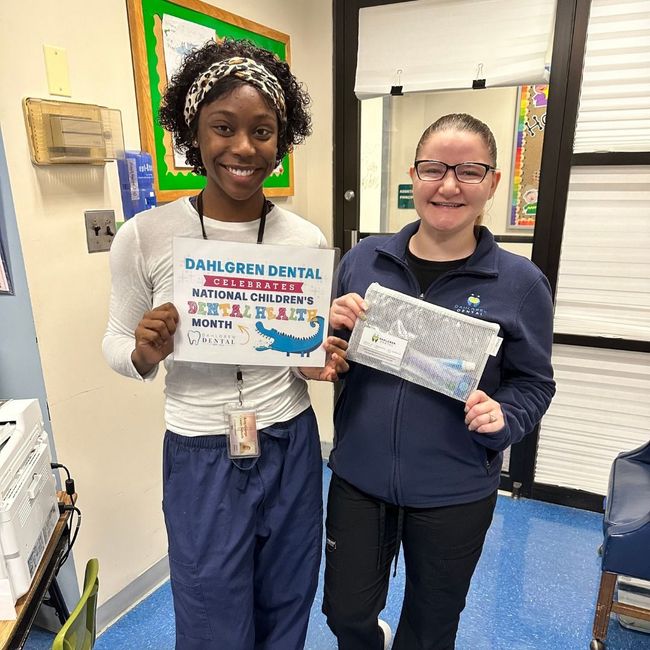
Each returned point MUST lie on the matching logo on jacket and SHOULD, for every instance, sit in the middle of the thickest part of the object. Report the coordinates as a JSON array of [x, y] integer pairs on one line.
[[473, 301], [472, 306]]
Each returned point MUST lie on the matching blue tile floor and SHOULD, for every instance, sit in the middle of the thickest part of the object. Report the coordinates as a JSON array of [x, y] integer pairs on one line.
[[534, 589]]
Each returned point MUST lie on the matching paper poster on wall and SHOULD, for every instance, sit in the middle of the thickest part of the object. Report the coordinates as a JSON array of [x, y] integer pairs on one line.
[[527, 157], [179, 38], [251, 304]]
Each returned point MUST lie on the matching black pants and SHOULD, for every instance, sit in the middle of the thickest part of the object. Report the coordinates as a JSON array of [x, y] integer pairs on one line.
[[441, 549]]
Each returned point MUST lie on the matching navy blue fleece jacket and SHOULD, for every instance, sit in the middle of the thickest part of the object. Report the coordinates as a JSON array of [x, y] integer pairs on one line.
[[409, 445]]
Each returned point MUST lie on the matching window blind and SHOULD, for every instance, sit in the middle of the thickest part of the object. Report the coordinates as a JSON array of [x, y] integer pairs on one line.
[[604, 274], [614, 113], [447, 44], [600, 409]]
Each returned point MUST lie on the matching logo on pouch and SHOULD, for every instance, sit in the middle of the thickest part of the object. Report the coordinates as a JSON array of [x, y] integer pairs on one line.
[[375, 338]]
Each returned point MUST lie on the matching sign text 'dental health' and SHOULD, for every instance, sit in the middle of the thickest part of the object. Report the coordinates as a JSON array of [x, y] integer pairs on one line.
[[251, 304]]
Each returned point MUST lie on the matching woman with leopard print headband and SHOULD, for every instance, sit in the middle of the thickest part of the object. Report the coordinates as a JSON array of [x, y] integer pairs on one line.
[[244, 535]]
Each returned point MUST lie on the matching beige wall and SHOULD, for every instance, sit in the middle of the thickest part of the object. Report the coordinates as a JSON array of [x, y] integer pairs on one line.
[[108, 430]]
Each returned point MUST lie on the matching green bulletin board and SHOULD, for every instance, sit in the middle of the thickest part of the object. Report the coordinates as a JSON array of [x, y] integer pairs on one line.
[[149, 26]]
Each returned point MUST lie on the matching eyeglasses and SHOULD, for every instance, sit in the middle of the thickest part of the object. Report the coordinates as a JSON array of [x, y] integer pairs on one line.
[[467, 172]]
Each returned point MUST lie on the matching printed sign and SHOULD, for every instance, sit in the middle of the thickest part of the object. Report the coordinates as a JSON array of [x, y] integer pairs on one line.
[[251, 304], [405, 197]]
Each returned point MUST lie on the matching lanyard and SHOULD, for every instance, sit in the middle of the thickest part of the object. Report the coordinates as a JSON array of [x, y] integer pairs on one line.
[[239, 377], [260, 230]]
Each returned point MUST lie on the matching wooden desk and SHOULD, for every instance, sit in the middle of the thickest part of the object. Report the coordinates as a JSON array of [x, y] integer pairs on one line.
[[13, 634]]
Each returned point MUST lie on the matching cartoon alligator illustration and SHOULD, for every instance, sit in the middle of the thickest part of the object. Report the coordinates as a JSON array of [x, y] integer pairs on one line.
[[291, 344]]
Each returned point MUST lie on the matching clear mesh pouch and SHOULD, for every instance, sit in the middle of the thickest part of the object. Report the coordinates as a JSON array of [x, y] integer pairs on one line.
[[423, 343]]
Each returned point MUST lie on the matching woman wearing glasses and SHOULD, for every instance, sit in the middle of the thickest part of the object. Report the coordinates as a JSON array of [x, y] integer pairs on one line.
[[410, 465]]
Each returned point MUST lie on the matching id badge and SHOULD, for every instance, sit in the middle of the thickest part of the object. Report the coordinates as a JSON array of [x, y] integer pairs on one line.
[[243, 440]]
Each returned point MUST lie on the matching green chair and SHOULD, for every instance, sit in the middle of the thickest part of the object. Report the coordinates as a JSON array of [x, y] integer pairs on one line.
[[78, 632]]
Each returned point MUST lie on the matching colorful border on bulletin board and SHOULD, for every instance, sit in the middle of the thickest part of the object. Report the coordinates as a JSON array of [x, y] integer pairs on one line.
[[146, 19], [527, 156]]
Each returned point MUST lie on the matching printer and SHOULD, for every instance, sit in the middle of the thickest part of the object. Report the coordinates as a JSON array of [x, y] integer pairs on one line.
[[28, 502]]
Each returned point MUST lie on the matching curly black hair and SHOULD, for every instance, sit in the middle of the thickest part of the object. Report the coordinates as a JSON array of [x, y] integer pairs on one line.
[[292, 131]]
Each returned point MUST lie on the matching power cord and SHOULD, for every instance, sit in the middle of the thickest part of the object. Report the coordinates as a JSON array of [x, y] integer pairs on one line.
[[71, 542], [69, 482], [63, 507]]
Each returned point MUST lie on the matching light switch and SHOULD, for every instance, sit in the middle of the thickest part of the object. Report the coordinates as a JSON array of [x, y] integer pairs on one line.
[[58, 74], [100, 229]]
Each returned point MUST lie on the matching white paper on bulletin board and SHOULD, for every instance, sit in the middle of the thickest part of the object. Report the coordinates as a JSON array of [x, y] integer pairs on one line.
[[180, 37], [251, 304]]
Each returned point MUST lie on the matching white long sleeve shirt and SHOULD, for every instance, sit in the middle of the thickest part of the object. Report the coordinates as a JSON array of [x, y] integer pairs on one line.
[[141, 269]]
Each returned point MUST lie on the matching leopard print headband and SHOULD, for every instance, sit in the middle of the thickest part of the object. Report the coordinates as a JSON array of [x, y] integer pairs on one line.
[[247, 70]]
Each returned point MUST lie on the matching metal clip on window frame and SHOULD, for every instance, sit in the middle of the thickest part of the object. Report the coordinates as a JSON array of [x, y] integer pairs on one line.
[[479, 82], [396, 90]]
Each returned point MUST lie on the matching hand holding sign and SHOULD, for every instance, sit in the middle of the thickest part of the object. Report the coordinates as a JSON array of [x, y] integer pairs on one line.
[[336, 364], [154, 337]]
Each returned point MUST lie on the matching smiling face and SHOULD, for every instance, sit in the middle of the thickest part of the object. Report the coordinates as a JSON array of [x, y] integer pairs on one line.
[[447, 206], [238, 137]]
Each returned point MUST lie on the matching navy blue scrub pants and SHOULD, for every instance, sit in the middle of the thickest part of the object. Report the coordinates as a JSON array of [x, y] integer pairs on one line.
[[245, 539], [441, 549]]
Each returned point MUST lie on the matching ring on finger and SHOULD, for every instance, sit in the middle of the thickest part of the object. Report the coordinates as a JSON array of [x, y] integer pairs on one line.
[[493, 417]]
